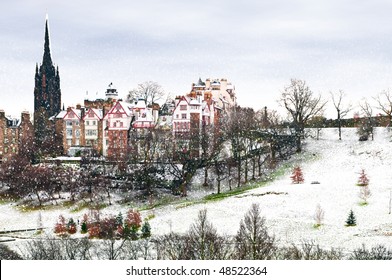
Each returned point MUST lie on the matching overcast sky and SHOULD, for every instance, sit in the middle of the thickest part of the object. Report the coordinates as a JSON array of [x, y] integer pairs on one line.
[[258, 45]]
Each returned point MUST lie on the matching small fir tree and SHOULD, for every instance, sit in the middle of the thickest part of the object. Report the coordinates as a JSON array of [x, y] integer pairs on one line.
[[297, 176], [351, 221], [84, 227], [363, 180], [146, 230], [119, 219]]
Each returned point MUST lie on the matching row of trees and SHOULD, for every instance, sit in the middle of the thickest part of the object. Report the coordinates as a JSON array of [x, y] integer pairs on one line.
[[241, 147], [202, 242]]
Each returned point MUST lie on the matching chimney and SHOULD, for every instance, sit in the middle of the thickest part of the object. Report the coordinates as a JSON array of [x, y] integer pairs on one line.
[[25, 116]]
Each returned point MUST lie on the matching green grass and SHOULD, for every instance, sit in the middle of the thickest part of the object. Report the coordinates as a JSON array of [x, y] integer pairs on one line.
[[32, 208]]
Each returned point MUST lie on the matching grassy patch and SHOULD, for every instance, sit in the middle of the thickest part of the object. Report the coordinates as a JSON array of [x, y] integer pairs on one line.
[[31, 208], [363, 203]]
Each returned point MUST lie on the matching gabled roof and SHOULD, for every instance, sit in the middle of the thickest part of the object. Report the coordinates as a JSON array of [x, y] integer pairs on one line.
[[76, 112], [122, 107], [61, 115], [97, 112], [183, 98]]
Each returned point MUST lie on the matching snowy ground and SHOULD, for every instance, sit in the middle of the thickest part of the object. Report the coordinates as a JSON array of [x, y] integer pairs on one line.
[[290, 215]]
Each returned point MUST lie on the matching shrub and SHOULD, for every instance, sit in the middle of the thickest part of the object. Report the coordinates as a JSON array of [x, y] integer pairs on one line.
[[94, 230], [60, 227], [71, 226], [133, 219], [379, 252]]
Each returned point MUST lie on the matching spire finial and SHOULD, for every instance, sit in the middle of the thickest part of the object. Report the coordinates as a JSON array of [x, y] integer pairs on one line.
[[47, 58]]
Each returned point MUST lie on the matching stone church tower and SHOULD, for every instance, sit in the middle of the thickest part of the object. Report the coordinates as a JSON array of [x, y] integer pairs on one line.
[[47, 99]]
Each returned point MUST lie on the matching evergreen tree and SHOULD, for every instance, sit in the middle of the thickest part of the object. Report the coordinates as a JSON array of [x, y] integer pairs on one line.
[[297, 176], [119, 219], [84, 227], [351, 221], [146, 230]]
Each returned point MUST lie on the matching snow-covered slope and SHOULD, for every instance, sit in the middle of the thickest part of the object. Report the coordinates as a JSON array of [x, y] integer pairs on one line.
[[290, 214]]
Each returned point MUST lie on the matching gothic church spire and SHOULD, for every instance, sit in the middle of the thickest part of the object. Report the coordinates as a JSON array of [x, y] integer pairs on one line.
[[47, 60]]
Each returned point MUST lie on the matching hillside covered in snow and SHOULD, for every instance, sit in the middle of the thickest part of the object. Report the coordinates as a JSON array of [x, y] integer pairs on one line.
[[331, 170]]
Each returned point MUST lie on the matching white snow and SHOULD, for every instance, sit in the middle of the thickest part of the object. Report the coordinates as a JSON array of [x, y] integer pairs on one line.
[[289, 215]]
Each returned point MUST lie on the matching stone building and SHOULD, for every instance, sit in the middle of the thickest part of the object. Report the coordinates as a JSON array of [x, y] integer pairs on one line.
[[15, 135]]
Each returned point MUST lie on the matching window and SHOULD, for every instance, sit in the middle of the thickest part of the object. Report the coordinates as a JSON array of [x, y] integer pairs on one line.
[[87, 123], [115, 124], [177, 116], [69, 132], [183, 116], [69, 142], [121, 124], [68, 123], [94, 123], [91, 132], [77, 133], [76, 122], [183, 107]]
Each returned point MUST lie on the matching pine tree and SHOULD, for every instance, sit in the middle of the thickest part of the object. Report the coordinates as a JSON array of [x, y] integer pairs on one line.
[[119, 219], [351, 221], [146, 230], [297, 176], [363, 180], [84, 227]]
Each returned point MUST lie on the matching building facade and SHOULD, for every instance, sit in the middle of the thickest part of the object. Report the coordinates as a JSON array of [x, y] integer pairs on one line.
[[15, 135]]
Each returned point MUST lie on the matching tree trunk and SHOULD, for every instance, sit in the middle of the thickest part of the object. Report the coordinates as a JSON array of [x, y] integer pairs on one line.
[[259, 165], [339, 125], [229, 172], [298, 143], [239, 173], [254, 168], [205, 184]]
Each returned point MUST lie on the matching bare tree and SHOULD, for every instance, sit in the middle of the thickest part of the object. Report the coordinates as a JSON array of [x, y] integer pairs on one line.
[[252, 240], [364, 194], [384, 101], [301, 104], [365, 128], [150, 91], [319, 216], [204, 242], [341, 110]]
